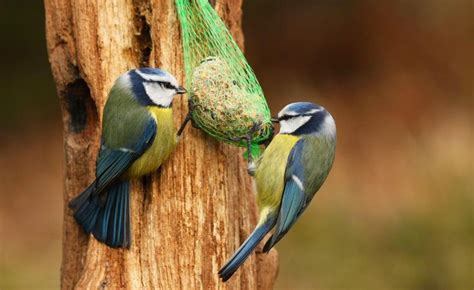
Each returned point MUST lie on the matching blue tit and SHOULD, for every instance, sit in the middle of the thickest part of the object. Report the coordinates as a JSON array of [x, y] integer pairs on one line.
[[138, 134], [289, 173]]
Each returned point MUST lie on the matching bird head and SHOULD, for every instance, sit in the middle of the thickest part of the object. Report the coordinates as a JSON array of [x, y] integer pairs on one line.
[[303, 118], [152, 86]]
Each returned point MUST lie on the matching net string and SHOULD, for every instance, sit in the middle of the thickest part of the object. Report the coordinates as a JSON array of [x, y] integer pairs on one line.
[[205, 35]]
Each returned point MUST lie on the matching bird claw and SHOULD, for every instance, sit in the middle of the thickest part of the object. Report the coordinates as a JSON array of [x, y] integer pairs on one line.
[[255, 127], [251, 168], [188, 118]]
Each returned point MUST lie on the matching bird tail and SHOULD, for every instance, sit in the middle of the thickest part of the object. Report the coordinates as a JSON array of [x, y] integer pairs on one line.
[[246, 249], [86, 207], [107, 215]]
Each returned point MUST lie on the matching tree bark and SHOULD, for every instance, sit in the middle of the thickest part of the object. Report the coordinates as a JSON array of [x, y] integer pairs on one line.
[[187, 218]]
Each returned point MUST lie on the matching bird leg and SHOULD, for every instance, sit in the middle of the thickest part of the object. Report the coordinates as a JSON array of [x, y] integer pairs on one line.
[[250, 163], [248, 139], [185, 122], [188, 118], [249, 150]]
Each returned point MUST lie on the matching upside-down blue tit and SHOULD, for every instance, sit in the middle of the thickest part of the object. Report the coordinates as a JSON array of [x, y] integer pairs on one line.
[[138, 134], [289, 173]]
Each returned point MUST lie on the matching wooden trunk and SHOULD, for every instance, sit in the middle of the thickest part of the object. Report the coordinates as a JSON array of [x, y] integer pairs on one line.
[[187, 218]]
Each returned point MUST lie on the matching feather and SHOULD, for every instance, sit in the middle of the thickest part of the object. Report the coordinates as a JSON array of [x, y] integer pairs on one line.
[[103, 208], [293, 198], [112, 226], [246, 249]]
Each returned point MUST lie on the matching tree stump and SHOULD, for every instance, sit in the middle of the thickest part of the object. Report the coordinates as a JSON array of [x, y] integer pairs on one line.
[[187, 218]]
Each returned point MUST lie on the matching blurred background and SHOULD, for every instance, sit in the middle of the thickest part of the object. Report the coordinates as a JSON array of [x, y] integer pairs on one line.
[[397, 211]]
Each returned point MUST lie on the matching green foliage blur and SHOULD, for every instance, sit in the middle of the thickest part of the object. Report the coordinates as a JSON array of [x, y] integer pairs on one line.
[[397, 209]]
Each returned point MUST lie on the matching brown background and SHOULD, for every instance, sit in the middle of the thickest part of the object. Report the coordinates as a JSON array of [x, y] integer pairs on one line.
[[397, 209]]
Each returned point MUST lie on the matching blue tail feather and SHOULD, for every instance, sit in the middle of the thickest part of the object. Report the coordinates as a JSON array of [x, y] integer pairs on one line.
[[113, 222], [245, 249], [292, 204], [86, 215], [105, 214], [86, 207], [82, 198]]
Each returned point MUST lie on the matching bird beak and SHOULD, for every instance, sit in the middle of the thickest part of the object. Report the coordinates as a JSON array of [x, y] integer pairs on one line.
[[275, 120], [181, 90]]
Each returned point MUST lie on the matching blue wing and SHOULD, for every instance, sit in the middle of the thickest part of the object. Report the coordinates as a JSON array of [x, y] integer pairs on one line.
[[244, 251], [105, 197], [293, 199], [113, 162]]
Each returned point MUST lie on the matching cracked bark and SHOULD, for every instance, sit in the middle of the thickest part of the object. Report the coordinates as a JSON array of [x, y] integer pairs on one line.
[[188, 217]]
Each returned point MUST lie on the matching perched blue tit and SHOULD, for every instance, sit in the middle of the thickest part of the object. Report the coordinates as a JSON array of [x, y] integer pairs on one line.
[[138, 134], [289, 173]]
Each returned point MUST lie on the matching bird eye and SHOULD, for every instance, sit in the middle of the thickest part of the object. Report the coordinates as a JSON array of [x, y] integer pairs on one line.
[[167, 85], [285, 117]]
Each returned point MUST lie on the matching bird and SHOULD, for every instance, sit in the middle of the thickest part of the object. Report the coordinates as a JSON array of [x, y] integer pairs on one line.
[[138, 134], [288, 174]]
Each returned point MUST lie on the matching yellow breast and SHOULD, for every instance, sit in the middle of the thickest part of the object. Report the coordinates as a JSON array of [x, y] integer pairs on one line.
[[163, 144], [270, 174]]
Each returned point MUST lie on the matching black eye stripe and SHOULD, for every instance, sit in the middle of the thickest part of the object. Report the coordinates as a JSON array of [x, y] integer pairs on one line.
[[287, 117], [167, 85]]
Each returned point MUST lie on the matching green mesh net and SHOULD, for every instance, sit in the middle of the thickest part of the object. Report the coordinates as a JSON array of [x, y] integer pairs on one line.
[[226, 99]]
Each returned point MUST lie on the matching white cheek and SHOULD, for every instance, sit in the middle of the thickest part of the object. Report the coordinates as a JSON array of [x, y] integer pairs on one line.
[[291, 125], [159, 95], [124, 81], [329, 126]]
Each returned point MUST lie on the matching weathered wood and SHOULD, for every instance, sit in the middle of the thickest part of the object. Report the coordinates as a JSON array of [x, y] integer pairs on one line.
[[188, 217]]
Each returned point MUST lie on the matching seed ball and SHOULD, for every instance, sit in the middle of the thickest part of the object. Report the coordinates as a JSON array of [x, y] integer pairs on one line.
[[221, 107]]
